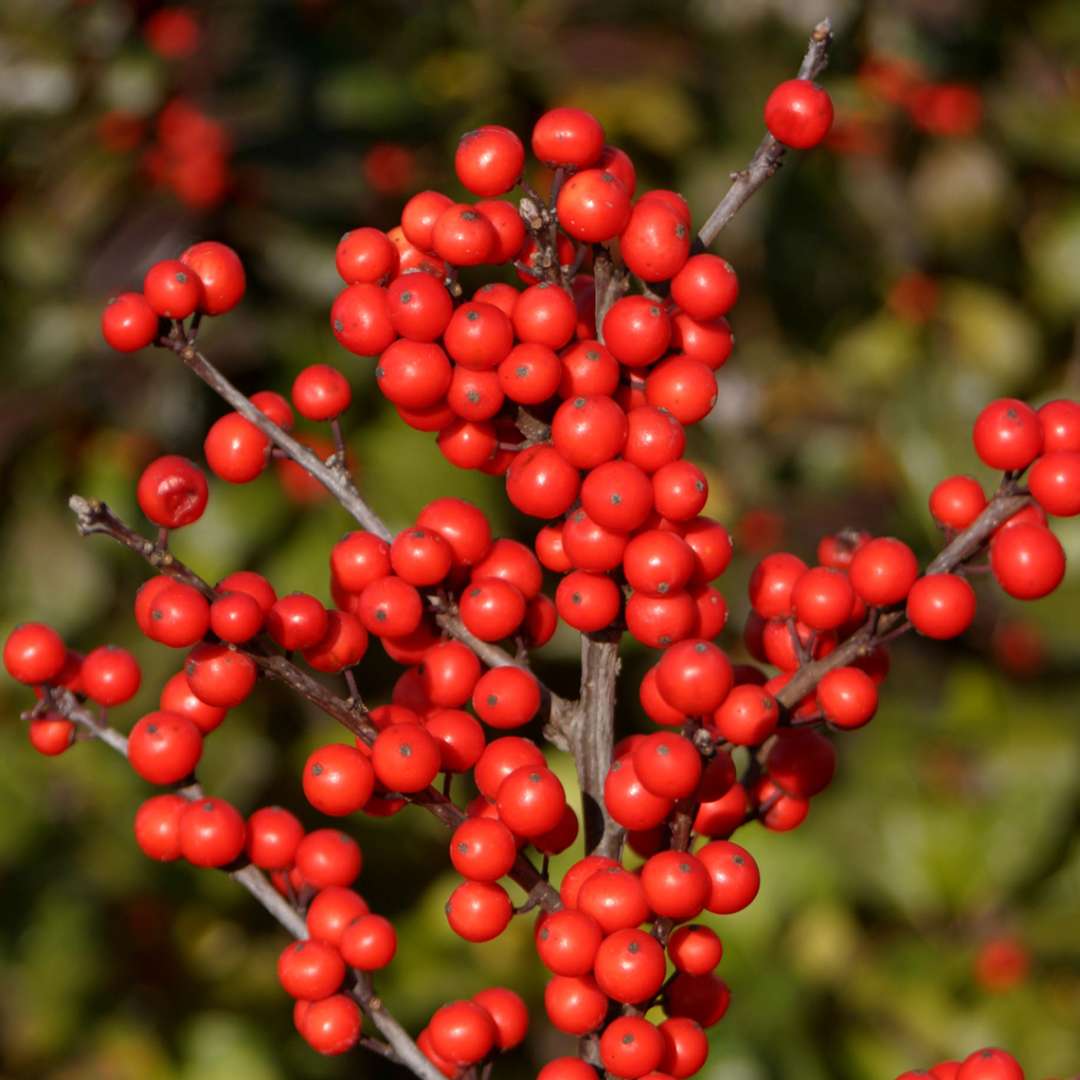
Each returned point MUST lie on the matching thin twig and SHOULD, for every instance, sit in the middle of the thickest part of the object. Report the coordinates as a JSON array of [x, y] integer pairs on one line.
[[770, 153], [882, 624]]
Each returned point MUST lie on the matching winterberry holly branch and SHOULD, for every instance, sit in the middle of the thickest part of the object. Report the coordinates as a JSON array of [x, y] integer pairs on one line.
[[770, 152], [94, 516], [883, 626], [576, 390], [399, 1047]]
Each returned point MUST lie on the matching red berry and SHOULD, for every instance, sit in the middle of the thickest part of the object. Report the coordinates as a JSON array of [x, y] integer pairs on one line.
[[541, 483], [331, 911], [500, 758], [172, 492], [310, 970], [637, 331], [460, 739], [530, 374], [706, 287], [482, 849], [655, 244], [491, 608], [128, 323], [990, 1064], [799, 114], [545, 314], [654, 438], [630, 965], [686, 1047], [211, 833], [588, 370], [1055, 482], [1060, 423], [172, 289], [506, 697], [366, 256], [593, 206], [629, 802], [631, 1047], [273, 835], [1008, 434], [773, 582], [489, 160], [508, 1011], [941, 606], [848, 697], [801, 761], [479, 910], [685, 387], [328, 857], [1027, 560], [235, 449], [419, 216], [822, 598], [668, 765], [567, 942], [406, 758], [734, 874], [567, 136], [677, 885], [236, 617], [660, 621], [157, 826], [110, 675], [587, 602], [710, 342], [414, 374], [164, 748], [321, 392], [358, 559], [883, 571], [531, 801], [221, 274], [332, 1025], [694, 677], [575, 1005], [511, 237], [701, 998], [34, 653], [695, 949], [297, 621], [957, 501], [360, 319], [369, 943], [51, 734], [463, 236], [220, 675], [747, 716], [338, 780], [342, 645]]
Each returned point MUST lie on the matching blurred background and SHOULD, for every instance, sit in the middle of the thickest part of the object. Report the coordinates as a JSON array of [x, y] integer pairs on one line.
[[923, 262]]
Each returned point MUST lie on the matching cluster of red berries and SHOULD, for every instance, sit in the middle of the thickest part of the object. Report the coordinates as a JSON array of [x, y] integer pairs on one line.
[[207, 279], [190, 156], [989, 1063], [602, 466], [938, 108]]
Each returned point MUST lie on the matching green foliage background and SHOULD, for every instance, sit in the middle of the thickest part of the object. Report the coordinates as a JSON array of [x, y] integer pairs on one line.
[[954, 818]]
